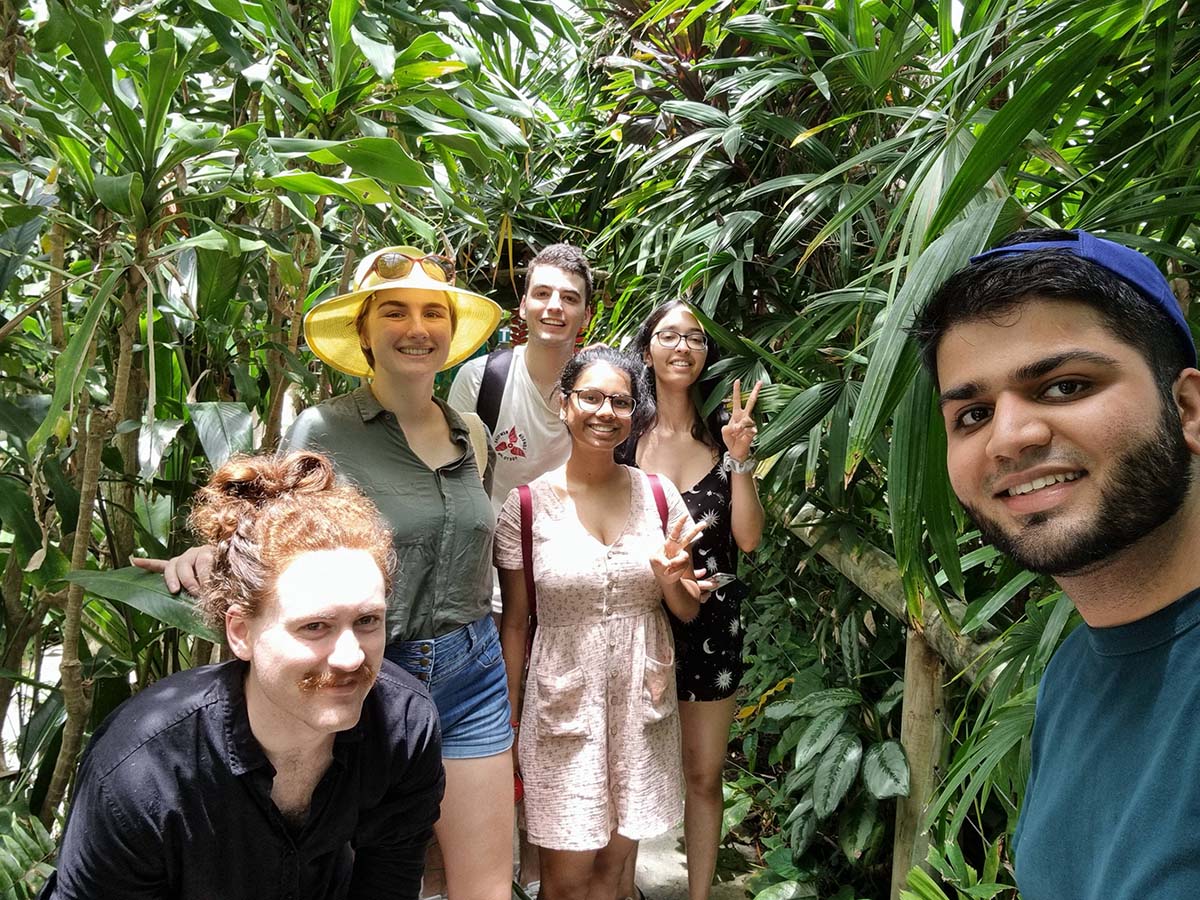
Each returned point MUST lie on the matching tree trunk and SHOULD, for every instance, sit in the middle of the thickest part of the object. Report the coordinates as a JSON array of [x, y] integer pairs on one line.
[[126, 403], [58, 256], [76, 696], [922, 732]]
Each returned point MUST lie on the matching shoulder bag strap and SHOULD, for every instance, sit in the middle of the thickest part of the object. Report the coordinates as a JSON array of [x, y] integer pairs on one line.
[[660, 499], [491, 388], [526, 497]]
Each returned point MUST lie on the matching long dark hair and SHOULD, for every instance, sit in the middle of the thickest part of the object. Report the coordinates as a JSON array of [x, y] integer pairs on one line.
[[639, 389], [707, 430]]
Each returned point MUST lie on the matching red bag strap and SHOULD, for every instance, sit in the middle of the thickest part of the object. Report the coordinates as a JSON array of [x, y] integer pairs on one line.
[[526, 496], [660, 499]]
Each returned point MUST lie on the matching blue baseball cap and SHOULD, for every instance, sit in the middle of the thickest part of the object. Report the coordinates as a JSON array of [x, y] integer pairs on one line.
[[1135, 269]]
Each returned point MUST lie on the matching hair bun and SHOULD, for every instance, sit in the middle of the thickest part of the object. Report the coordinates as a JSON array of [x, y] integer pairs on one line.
[[245, 484]]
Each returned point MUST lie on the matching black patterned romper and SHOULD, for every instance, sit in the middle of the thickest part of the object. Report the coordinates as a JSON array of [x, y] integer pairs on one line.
[[708, 649]]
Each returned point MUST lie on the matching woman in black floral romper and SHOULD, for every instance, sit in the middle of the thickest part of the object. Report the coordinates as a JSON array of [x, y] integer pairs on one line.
[[710, 462]]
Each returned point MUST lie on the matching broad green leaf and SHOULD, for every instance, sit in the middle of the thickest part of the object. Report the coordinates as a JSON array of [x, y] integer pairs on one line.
[[87, 42], [381, 55], [145, 591], [818, 735], [831, 698], [788, 890], [858, 826], [70, 369], [906, 472], [153, 441], [16, 516], [121, 193], [698, 112], [15, 244], [224, 429], [380, 158], [735, 814], [885, 770], [358, 190], [835, 773]]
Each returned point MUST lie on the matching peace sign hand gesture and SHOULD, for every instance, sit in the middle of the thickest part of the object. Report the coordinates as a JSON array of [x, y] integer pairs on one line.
[[674, 560], [739, 432]]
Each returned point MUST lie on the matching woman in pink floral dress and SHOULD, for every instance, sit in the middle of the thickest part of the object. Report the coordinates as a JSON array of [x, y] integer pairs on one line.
[[599, 731]]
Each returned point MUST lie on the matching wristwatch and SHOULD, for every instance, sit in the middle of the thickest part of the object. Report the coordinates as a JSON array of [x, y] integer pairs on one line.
[[739, 467]]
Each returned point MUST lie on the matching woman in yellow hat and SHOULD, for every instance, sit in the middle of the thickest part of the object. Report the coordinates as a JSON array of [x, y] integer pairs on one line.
[[425, 467]]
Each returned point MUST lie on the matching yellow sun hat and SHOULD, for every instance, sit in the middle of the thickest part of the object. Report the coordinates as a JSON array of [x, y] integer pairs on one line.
[[330, 329]]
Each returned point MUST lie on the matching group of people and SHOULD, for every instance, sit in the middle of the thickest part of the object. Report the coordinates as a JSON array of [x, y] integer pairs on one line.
[[609, 582], [371, 701]]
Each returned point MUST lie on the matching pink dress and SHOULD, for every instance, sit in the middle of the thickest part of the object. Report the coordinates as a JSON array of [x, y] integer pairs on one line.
[[599, 738]]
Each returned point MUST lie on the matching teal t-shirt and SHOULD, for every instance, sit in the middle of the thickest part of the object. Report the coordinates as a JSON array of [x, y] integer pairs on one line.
[[1112, 807]]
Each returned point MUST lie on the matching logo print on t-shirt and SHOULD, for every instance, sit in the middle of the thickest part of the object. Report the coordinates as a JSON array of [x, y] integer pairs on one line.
[[511, 445]]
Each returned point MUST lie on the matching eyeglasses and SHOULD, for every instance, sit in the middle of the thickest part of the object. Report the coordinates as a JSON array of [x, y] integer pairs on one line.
[[395, 264], [696, 340], [590, 400]]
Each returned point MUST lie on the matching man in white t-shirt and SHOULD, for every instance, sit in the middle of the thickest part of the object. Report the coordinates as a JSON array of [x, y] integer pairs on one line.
[[527, 434]]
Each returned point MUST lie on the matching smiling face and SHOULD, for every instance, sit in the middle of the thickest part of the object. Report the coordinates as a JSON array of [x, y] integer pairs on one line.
[[315, 649], [554, 306], [601, 429], [1058, 440], [407, 332], [680, 365]]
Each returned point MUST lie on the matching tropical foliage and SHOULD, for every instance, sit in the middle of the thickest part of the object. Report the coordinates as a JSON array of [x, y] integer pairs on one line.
[[184, 180]]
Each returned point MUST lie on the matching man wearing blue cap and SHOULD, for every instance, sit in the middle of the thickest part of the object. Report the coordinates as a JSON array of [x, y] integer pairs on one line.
[[1069, 389]]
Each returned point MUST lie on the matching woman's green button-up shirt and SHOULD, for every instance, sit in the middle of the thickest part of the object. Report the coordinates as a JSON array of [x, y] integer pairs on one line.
[[441, 520]]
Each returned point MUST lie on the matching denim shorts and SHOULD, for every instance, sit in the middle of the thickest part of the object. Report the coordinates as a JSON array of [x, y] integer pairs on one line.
[[464, 671]]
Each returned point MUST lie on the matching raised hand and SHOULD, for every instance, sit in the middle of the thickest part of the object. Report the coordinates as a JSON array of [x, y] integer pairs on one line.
[[674, 561], [738, 433], [188, 570]]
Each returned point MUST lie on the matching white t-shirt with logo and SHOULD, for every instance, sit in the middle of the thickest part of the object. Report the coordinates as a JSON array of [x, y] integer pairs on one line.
[[529, 438]]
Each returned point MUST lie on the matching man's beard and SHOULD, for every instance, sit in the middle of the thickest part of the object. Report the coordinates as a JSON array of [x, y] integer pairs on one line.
[[1147, 488]]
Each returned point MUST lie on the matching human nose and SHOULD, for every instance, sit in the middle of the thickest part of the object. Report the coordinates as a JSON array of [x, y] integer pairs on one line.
[[554, 302], [347, 654], [1015, 427]]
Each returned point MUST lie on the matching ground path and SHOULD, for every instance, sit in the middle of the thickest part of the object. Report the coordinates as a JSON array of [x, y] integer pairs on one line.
[[662, 871]]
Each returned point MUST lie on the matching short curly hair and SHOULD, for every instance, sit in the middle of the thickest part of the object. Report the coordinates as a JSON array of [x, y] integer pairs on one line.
[[261, 512]]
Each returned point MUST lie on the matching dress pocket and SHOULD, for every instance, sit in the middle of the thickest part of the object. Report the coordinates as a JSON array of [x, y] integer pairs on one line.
[[658, 688], [561, 704]]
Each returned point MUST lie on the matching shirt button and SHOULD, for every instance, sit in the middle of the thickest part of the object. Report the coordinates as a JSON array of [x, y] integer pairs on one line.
[[425, 648], [424, 662]]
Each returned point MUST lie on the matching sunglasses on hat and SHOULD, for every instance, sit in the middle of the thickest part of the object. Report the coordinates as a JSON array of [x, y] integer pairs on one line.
[[392, 265]]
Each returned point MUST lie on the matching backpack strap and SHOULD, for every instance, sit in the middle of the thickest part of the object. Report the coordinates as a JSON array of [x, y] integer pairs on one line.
[[660, 499], [491, 388], [526, 497]]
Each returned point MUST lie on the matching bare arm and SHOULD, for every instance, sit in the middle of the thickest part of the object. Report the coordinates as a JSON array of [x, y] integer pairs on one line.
[[514, 633], [746, 512]]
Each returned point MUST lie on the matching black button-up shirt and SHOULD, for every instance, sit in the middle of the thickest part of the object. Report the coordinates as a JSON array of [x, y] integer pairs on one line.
[[174, 801]]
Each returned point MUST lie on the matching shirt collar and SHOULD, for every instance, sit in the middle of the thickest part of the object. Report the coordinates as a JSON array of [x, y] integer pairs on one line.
[[369, 408]]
